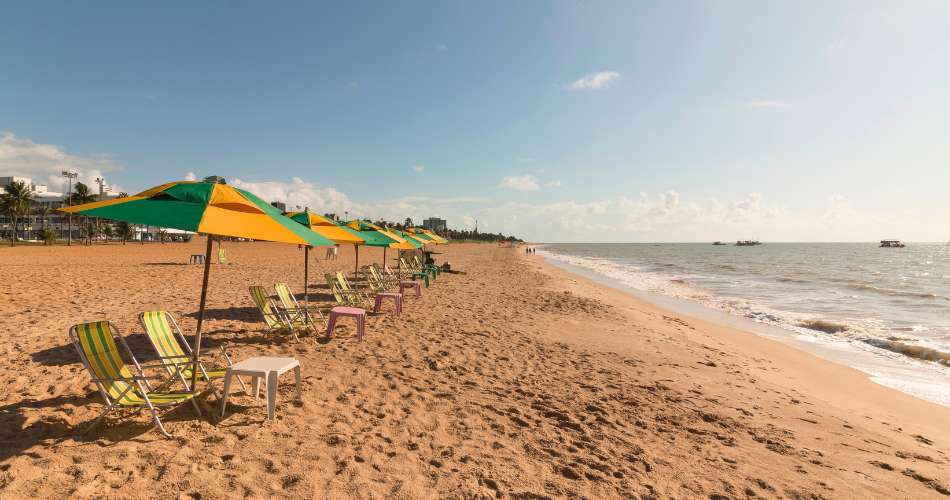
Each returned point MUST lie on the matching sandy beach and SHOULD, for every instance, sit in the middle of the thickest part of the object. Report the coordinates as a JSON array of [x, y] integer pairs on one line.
[[512, 379]]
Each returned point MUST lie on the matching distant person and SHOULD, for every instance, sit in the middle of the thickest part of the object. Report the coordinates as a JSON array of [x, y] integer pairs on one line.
[[332, 252]]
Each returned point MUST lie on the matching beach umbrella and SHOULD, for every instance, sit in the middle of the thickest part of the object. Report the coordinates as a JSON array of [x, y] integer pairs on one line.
[[374, 236], [426, 234], [327, 228], [212, 208]]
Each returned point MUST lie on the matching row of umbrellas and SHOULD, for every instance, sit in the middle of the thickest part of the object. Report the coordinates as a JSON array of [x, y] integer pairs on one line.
[[214, 208]]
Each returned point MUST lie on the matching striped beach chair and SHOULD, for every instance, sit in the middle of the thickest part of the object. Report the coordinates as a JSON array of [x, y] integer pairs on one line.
[[274, 318], [120, 386], [300, 317], [175, 353]]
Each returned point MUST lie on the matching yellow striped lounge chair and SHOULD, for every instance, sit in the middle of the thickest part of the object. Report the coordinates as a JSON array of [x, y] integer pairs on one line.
[[299, 316], [342, 297], [358, 296], [175, 353], [274, 318], [121, 388]]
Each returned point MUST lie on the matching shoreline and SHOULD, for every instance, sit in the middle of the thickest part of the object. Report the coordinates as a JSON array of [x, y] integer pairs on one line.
[[889, 367], [863, 393]]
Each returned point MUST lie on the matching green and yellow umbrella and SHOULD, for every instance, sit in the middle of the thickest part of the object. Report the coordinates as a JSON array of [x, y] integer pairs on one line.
[[211, 208], [425, 233], [327, 228], [373, 236]]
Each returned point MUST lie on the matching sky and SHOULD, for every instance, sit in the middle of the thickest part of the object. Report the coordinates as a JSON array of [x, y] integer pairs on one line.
[[555, 121]]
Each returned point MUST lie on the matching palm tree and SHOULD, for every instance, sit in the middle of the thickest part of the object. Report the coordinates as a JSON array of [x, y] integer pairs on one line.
[[43, 211], [82, 194], [124, 230], [15, 201]]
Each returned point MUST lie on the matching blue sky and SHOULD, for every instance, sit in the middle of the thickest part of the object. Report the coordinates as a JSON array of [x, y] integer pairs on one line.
[[557, 121]]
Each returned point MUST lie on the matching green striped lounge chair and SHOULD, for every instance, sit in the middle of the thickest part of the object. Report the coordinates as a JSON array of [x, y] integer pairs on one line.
[[429, 268], [123, 386], [274, 318], [175, 353], [300, 317], [414, 272]]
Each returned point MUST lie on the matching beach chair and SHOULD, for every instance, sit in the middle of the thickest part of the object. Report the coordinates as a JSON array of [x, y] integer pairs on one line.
[[274, 318], [414, 272], [119, 386], [222, 259], [375, 281], [391, 282], [343, 297], [299, 316], [358, 295], [175, 353], [427, 267]]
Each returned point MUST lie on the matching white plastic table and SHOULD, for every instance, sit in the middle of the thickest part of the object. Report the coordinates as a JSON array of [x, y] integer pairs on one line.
[[262, 368]]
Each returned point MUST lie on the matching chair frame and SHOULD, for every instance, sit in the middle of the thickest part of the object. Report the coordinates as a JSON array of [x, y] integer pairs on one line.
[[278, 313], [139, 382], [182, 341], [342, 296], [299, 310]]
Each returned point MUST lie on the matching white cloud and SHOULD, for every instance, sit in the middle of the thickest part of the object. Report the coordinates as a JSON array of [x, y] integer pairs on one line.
[[767, 103], [190, 176], [45, 162], [595, 81], [553, 183], [299, 193], [519, 183], [418, 168]]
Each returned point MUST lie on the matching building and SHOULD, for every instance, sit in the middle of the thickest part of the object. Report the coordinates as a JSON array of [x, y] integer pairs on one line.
[[43, 214], [279, 205], [435, 225]]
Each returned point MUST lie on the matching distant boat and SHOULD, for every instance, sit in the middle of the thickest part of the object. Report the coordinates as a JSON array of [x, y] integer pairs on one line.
[[892, 244], [718, 243], [747, 243]]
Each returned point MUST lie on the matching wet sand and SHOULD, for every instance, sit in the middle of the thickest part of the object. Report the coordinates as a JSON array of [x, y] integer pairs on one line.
[[515, 379]]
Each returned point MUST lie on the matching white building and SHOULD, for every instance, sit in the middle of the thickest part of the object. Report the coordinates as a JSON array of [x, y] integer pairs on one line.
[[44, 213]]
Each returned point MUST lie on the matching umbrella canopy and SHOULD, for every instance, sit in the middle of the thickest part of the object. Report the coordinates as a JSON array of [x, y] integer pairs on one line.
[[374, 235], [204, 207], [412, 242], [436, 238], [212, 208], [426, 234], [328, 228]]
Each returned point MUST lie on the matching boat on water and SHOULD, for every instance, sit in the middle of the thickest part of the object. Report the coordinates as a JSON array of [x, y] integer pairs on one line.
[[718, 243], [892, 244], [747, 243]]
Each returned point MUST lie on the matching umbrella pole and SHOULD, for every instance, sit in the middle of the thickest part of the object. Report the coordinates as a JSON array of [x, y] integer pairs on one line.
[[384, 258], [201, 316], [357, 270], [306, 270]]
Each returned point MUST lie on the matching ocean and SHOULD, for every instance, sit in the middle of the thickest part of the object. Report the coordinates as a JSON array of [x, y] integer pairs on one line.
[[885, 311]]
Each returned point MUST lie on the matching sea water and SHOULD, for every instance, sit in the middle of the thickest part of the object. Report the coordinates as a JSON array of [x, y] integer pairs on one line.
[[885, 311]]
